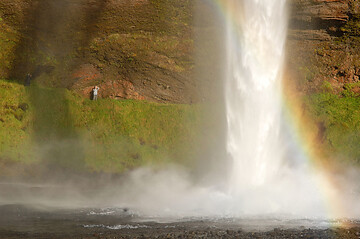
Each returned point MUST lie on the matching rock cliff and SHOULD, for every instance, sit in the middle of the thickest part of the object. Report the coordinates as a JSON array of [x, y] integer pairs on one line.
[[324, 39], [145, 49], [132, 49]]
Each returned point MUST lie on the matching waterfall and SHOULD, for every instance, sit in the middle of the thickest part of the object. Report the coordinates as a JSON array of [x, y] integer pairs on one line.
[[255, 41], [269, 175]]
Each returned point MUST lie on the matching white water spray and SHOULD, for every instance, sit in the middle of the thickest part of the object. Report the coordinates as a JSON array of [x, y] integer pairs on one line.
[[255, 52], [260, 182]]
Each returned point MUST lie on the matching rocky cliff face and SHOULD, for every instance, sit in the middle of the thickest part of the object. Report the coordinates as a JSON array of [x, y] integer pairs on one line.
[[145, 49], [311, 12], [328, 15], [132, 49], [324, 39]]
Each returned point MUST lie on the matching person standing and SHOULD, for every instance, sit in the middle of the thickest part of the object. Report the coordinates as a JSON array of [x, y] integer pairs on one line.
[[95, 92], [28, 80]]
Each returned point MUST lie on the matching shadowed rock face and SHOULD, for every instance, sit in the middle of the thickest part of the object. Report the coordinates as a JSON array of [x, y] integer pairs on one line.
[[328, 15], [323, 9], [323, 14]]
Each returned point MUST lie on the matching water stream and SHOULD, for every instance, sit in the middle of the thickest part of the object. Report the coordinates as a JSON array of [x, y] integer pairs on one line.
[[255, 52]]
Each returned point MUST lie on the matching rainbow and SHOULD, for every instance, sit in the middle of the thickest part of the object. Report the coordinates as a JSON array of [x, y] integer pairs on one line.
[[302, 126], [307, 136]]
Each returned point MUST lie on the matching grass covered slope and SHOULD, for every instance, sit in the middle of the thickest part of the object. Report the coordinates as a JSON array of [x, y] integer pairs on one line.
[[59, 129], [340, 119]]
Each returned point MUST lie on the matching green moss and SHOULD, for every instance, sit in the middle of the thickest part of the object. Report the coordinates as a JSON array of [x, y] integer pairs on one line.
[[8, 41], [327, 87], [348, 89], [135, 49], [14, 121], [60, 129], [341, 118], [177, 15]]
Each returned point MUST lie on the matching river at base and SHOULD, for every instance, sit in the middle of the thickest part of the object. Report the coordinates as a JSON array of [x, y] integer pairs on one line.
[[39, 220], [36, 221]]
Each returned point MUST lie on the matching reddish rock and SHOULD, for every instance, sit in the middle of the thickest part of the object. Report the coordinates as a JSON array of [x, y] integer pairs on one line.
[[85, 75], [119, 89], [356, 90], [116, 89]]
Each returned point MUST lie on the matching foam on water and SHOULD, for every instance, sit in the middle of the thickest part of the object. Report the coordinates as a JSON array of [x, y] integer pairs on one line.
[[117, 227]]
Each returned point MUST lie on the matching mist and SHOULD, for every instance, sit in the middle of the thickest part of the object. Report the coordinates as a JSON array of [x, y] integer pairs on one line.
[[230, 178]]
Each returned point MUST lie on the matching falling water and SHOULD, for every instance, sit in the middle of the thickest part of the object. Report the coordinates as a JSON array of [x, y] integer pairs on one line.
[[255, 50], [261, 181], [264, 178]]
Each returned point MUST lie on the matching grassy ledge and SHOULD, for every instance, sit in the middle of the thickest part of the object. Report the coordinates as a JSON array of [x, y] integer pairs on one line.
[[340, 116], [57, 128]]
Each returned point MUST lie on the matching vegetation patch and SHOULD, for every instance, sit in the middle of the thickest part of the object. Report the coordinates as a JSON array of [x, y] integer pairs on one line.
[[341, 119], [56, 128], [8, 41], [351, 31]]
